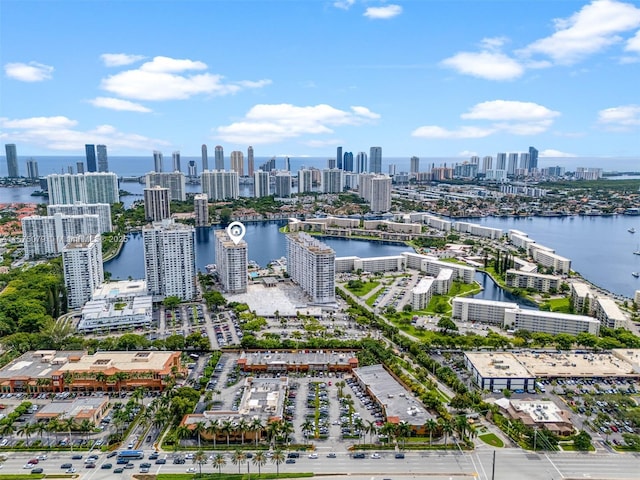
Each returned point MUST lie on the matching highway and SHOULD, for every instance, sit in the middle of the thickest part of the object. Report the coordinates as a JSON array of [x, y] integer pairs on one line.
[[510, 464]]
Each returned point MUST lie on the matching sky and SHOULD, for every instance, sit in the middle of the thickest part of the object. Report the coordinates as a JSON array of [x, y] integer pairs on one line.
[[432, 78]]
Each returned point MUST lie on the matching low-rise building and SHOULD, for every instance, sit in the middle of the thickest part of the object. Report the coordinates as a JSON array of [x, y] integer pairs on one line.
[[477, 230], [78, 409], [426, 288], [432, 266], [607, 311], [298, 361], [535, 281], [498, 371], [549, 322], [468, 309], [538, 414], [549, 259]]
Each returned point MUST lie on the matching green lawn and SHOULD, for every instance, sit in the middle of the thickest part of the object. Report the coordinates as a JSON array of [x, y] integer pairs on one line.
[[491, 439], [366, 288], [560, 304]]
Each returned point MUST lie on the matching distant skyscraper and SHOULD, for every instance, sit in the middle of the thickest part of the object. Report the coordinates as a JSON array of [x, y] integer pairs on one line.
[[414, 165], [70, 169], [392, 169], [376, 190], [525, 162], [32, 169], [260, 184], [12, 160], [80, 167], [250, 165], [332, 181], [312, 265], [512, 164], [175, 156], [305, 180], [487, 163], [270, 165], [103, 161], [92, 187], [205, 158], [174, 181], [375, 159], [220, 184], [231, 263], [361, 163], [201, 209], [219, 158], [83, 270], [192, 169], [533, 158], [501, 161], [90, 151], [283, 184], [287, 164], [331, 163], [156, 204], [339, 157], [169, 259], [237, 162], [157, 161], [348, 162]]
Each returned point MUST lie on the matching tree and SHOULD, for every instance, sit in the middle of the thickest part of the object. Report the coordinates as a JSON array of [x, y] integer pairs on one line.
[[200, 458], [199, 427], [582, 441], [431, 426], [259, 460], [181, 433], [277, 458], [225, 216], [213, 428], [446, 325], [238, 458], [219, 462]]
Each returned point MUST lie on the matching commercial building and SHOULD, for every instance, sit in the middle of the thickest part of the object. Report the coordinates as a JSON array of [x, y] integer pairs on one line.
[[231, 263], [549, 322], [156, 204], [174, 181], [201, 208], [261, 184], [169, 260], [237, 162], [46, 236], [220, 184], [535, 281], [498, 371], [102, 210], [103, 160], [283, 185], [79, 409], [83, 270], [468, 309], [311, 264], [297, 361], [398, 403], [91, 187], [538, 414]]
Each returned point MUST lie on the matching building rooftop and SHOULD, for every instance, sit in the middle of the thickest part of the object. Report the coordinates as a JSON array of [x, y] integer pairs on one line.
[[72, 409], [498, 365], [569, 364], [121, 361], [115, 290], [39, 364], [298, 357], [398, 402], [109, 309], [581, 289], [611, 309]]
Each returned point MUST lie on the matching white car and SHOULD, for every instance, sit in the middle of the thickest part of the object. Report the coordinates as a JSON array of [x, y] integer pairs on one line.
[[375, 455], [189, 456], [42, 457], [29, 466], [191, 470], [70, 470], [313, 455]]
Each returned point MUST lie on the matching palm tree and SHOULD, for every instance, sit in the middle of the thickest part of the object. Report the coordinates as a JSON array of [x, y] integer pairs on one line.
[[219, 462], [201, 459], [67, 424], [358, 424], [7, 429], [277, 458], [238, 458], [25, 431], [307, 427], [138, 395], [53, 425], [259, 459], [286, 429], [404, 431], [257, 426], [181, 433], [447, 429], [227, 428], [371, 428], [213, 428], [40, 428], [243, 426], [431, 426], [85, 427], [273, 429], [199, 427], [461, 426]]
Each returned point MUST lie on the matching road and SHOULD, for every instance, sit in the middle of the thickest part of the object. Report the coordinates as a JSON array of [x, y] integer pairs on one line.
[[510, 464]]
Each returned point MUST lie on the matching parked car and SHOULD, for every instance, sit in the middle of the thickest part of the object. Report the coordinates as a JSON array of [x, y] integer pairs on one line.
[[106, 466]]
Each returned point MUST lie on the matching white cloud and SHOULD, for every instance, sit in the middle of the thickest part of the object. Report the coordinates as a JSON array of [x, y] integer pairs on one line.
[[556, 154], [489, 65], [433, 131], [119, 59], [163, 79], [383, 13], [272, 123], [633, 44], [622, 117], [505, 116], [344, 4], [592, 29], [118, 104], [28, 72], [493, 43], [467, 153], [61, 134]]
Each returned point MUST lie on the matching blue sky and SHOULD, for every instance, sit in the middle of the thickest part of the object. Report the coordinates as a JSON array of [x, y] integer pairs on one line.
[[430, 78]]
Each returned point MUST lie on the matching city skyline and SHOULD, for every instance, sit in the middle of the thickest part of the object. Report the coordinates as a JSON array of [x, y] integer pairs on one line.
[[427, 79]]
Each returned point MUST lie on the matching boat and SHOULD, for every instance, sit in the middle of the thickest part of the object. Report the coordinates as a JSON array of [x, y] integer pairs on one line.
[[635, 274], [637, 252], [632, 230]]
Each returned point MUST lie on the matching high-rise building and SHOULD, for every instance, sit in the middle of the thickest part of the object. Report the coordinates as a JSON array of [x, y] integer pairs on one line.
[[175, 157], [32, 169], [375, 159], [392, 169], [512, 164], [487, 163], [70, 169], [414, 166], [525, 162], [332, 181], [237, 162], [220, 184], [339, 157], [156, 204], [376, 190], [201, 209], [312, 265], [103, 160], [533, 158], [261, 184], [287, 164], [169, 259], [305, 180], [80, 167], [91, 187], [361, 163], [231, 263], [501, 161], [348, 162], [205, 158], [219, 158], [283, 184], [192, 169], [83, 270], [269, 165], [331, 163], [90, 151], [103, 210], [12, 160], [174, 181], [46, 236], [250, 165], [158, 162]]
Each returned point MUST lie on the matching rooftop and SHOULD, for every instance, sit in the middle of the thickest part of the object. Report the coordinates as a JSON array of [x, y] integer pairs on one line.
[[73, 408], [568, 364], [498, 365], [38, 364], [115, 290], [317, 357], [122, 361]]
